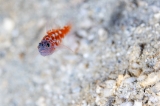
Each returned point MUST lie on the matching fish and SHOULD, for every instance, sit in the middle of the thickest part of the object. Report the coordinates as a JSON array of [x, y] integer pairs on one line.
[[52, 40]]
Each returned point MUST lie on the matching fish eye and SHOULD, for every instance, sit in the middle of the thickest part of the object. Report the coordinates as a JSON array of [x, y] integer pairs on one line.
[[48, 44]]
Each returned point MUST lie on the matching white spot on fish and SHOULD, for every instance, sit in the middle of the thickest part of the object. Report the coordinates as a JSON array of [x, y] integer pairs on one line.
[[60, 32]]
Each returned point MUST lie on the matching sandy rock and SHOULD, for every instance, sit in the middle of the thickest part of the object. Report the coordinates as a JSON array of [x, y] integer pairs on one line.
[[98, 89], [157, 66], [156, 88], [137, 103], [102, 34], [135, 72], [87, 23], [135, 65], [157, 16], [110, 88], [121, 78], [151, 79], [153, 99], [127, 104], [8, 24], [141, 77], [129, 80], [134, 53], [41, 102], [110, 84], [100, 101]]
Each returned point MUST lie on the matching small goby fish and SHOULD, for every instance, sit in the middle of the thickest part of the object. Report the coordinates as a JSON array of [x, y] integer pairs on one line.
[[52, 40]]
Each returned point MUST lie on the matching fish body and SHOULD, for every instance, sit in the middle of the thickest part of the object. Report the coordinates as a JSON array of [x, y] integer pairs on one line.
[[52, 40]]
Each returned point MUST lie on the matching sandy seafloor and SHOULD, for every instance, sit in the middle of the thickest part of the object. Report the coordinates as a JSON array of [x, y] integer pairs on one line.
[[116, 60]]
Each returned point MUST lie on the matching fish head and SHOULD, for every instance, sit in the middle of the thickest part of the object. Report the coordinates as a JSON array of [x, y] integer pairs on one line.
[[45, 48]]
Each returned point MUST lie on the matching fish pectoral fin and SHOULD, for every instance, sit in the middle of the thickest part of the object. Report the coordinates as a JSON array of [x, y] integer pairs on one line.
[[65, 47]]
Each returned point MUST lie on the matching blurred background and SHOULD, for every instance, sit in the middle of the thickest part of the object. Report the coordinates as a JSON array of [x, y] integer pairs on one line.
[[99, 36]]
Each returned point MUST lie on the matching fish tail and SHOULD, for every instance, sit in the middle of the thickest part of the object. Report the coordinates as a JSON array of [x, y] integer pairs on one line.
[[65, 30]]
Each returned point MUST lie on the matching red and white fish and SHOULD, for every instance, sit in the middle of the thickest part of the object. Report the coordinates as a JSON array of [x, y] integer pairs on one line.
[[52, 40]]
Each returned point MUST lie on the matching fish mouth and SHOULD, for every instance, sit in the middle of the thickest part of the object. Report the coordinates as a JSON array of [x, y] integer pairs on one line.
[[43, 52]]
